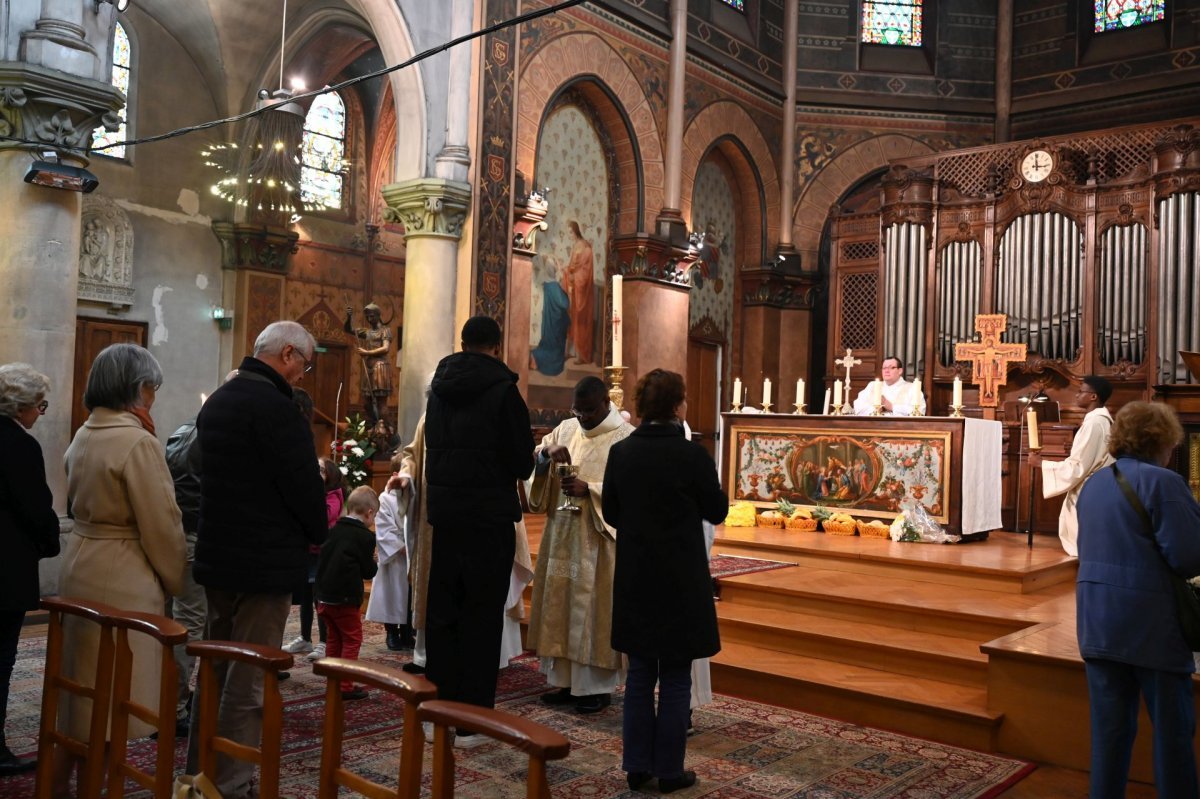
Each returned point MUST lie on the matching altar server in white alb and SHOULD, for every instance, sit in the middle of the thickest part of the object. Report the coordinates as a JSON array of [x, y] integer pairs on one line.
[[570, 616], [899, 397], [388, 603], [1089, 454]]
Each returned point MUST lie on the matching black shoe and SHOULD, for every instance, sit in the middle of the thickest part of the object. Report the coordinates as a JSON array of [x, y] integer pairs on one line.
[[413, 668], [356, 694], [393, 640], [283, 675], [671, 784], [593, 703], [637, 779], [11, 765], [560, 697]]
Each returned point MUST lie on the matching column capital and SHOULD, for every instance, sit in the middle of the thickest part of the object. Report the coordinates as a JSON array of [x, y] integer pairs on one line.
[[433, 207], [49, 106]]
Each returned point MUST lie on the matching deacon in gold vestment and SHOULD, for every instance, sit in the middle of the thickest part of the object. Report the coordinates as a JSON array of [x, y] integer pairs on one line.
[[571, 612]]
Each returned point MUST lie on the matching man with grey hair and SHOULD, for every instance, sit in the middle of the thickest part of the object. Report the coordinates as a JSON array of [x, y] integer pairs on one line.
[[262, 503]]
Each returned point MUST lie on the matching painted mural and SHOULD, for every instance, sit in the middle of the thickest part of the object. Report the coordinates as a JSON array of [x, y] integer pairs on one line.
[[714, 215], [568, 303]]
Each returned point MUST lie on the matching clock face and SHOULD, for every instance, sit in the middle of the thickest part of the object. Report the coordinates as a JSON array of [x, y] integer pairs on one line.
[[1036, 166]]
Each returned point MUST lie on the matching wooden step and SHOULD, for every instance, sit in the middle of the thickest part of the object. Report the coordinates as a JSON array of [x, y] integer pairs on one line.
[[888, 601], [903, 651], [928, 708]]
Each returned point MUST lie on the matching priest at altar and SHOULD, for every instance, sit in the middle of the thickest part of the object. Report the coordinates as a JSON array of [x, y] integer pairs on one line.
[[899, 397]]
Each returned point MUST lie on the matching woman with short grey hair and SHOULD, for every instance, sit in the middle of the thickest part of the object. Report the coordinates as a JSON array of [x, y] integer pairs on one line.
[[28, 524], [127, 548]]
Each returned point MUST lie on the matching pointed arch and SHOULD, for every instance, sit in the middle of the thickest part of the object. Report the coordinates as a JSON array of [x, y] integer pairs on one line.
[[589, 62]]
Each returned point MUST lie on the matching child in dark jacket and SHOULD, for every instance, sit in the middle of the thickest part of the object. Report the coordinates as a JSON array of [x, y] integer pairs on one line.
[[347, 558]]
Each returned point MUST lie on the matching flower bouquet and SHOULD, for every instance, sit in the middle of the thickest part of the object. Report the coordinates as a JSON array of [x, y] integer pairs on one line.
[[353, 453]]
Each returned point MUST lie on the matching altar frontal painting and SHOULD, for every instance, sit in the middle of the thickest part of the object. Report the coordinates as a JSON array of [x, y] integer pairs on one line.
[[869, 473]]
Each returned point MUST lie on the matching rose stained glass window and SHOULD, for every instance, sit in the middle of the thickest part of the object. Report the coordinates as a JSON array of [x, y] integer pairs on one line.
[[897, 23], [323, 162], [120, 78], [1113, 15]]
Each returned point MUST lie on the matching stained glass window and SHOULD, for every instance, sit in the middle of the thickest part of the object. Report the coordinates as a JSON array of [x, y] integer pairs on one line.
[[1114, 15], [120, 78], [897, 23], [324, 152], [740, 5]]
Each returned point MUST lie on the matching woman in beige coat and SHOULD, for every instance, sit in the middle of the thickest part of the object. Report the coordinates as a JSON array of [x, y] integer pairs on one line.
[[127, 548]]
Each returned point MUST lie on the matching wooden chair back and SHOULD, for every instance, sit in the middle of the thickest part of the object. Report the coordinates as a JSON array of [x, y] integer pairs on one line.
[[55, 683], [271, 660], [537, 740], [412, 688], [168, 633]]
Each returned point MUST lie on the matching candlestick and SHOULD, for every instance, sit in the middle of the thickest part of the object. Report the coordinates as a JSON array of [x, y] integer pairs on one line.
[[800, 391], [766, 393], [877, 398], [1031, 422], [837, 393], [617, 309], [957, 393], [617, 394], [825, 407], [737, 393]]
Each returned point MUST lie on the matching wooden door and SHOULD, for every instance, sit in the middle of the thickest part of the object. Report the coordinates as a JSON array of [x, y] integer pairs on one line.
[[330, 372], [91, 336], [703, 385]]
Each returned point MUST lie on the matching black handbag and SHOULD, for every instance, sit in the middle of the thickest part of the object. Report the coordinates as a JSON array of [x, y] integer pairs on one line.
[[1187, 603]]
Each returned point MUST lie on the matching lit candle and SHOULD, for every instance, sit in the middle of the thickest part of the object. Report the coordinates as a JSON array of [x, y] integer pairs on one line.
[[837, 393], [767, 392], [617, 301], [825, 407], [958, 392], [737, 390], [800, 391], [1035, 441], [876, 392]]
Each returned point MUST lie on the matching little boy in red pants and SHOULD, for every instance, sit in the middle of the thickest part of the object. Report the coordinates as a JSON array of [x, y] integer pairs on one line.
[[347, 558]]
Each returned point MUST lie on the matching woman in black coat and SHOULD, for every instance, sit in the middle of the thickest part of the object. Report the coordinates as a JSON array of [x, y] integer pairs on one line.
[[657, 487], [28, 524]]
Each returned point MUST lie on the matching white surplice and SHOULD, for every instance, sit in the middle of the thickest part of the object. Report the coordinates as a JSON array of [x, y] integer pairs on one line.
[[1089, 453], [905, 397]]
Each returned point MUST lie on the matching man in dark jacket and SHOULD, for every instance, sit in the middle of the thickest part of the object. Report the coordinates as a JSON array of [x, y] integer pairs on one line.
[[262, 504], [478, 444], [189, 608]]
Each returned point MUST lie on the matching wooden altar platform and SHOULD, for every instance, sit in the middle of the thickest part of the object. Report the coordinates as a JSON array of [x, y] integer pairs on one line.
[[969, 644]]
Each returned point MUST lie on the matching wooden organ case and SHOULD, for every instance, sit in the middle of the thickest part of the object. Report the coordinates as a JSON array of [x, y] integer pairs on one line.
[[1090, 243]]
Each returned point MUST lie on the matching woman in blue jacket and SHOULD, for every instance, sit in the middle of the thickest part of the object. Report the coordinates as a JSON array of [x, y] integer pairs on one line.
[[1127, 623]]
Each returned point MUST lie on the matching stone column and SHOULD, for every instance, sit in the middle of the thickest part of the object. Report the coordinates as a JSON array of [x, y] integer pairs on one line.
[[455, 157], [432, 211], [50, 98], [670, 224], [1004, 42], [787, 150]]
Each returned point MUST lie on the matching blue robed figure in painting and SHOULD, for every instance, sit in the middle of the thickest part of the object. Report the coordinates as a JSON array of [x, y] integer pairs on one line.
[[550, 356]]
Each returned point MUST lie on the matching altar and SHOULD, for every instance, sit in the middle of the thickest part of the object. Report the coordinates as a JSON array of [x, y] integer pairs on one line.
[[868, 465]]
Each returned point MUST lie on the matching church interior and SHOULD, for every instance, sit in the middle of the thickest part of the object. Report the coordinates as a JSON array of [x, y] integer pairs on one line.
[[789, 191]]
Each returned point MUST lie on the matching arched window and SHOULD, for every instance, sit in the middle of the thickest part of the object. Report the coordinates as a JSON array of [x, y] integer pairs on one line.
[[122, 67], [1114, 15], [322, 178], [897, 23], [740, 5]]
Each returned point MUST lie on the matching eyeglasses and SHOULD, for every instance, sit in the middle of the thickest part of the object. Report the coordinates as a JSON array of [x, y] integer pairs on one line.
[[42, 406], [308, 365]]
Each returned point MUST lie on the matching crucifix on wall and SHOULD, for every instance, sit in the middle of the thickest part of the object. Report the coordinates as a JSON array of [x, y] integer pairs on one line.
[[989, 359]]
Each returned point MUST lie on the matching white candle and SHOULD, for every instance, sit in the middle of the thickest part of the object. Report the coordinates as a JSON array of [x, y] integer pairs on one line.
[[800, 391], [958, 392], [837, 393], [1035, 441], [876, 392], [825, 407], [767, 392], [737, 390], [617, 301]]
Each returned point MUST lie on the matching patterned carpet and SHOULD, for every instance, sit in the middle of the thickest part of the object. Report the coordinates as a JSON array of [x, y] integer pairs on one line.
[[742, 750], [733, 565]]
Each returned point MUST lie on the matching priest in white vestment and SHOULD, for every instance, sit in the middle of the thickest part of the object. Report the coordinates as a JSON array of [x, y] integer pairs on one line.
[[899, 396], [388, 603], [570, 616], [1089, 453]]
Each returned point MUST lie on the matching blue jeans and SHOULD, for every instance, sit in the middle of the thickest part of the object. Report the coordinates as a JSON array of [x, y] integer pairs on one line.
[[655, 742], [1114, 690]]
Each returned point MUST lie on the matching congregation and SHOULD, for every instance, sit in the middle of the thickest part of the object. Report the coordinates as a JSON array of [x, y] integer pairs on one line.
[[238, 518]]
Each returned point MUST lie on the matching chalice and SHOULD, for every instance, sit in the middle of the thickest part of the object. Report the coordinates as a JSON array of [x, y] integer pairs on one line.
[[565, 470]]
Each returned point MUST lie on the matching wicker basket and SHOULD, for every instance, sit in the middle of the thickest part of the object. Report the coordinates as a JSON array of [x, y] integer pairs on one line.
[[840, 528], [776, 520], [801, 524], [873, 530]]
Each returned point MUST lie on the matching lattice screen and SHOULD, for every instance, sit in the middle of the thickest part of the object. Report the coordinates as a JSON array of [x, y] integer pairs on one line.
[[858, 310], [860, 251]]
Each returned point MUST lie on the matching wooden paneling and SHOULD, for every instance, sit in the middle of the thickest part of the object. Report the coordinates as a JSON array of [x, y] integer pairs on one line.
[[91, 336]]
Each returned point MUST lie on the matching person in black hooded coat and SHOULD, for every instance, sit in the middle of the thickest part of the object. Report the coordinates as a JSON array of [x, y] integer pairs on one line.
[[658, 486], [478, 444]]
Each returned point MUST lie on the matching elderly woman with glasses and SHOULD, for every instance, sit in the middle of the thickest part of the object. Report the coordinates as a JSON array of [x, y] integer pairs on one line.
[[127, 548], [28, 524]]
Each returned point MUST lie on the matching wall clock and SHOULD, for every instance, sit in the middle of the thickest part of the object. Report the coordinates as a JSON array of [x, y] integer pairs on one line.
[[1036, 166]]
